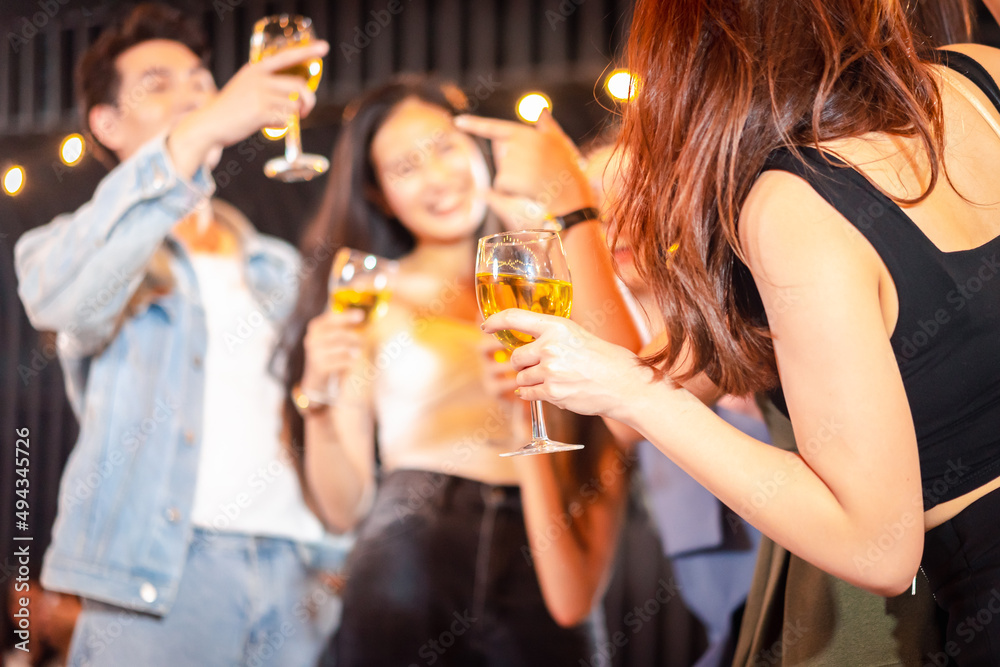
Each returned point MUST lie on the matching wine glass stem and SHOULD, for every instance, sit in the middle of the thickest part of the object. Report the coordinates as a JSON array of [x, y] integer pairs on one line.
[[293, 140], [537, 422]]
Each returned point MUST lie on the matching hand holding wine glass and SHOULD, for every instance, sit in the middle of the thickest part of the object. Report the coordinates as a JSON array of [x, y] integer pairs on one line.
[[576, 370], [525, 270], [254, 97], [271, 35], [361, 281], [360, 285]]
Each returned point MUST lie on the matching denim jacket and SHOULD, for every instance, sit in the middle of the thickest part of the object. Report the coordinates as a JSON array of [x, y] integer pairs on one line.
[[123, 525]]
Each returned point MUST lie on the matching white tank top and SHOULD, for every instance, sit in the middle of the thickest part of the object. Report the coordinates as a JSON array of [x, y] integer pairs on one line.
[[246, 482], [433, 409]]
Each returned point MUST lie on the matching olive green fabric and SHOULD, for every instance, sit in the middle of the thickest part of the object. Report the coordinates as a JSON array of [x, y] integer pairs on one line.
[[796, 614]]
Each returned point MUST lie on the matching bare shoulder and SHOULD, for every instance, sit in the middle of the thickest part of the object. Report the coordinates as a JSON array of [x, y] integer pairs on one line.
[[787, 229], [987, 56]]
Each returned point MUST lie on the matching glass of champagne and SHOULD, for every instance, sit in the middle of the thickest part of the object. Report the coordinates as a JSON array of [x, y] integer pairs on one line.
[[270, 35], [528, 270], [362, 281]]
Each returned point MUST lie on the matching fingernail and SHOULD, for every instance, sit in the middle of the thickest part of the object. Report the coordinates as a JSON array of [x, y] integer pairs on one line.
[[483, 326]]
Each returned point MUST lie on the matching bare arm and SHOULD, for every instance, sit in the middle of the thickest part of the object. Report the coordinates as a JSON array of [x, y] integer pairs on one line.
[[573, 526], [339, 442], [856, 482], [573, 567]]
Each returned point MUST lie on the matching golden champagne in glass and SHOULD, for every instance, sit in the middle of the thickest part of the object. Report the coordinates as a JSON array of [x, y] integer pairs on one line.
[[506, 290], [526, 270], [361, 281], [272, 34]]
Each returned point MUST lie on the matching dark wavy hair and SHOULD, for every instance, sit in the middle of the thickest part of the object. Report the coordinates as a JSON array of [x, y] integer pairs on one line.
[[350, 214], [724, 83]]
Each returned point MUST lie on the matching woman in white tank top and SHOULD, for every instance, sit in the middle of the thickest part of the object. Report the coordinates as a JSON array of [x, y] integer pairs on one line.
[[443, 570]]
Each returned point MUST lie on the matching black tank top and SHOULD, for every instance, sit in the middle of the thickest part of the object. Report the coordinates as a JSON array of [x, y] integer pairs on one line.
[[947, 337]]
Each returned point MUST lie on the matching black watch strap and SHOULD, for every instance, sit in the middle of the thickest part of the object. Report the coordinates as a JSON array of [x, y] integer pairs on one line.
[[577, 216]]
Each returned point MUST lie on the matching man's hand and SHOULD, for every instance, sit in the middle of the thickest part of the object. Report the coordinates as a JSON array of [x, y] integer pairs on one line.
[[257, 96]]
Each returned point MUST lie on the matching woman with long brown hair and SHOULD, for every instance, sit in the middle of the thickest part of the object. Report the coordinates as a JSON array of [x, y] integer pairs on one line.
[[828, 187]]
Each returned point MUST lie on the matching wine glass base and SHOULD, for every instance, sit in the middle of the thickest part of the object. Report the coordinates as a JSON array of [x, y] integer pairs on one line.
[[542, 447], [306, 168]]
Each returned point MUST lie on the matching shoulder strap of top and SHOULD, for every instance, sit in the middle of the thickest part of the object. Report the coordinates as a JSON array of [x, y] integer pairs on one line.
[[972, 71]]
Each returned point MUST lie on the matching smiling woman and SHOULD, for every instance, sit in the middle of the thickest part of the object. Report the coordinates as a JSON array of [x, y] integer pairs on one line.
[[430, 184], [442, 533]]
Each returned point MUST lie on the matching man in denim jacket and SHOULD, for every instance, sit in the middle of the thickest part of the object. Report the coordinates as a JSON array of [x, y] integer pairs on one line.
[[181, 522]]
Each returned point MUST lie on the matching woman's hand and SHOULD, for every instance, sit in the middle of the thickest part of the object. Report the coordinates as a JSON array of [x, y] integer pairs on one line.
[[539, 163], [498, 373], [570, 367], [333, 343]]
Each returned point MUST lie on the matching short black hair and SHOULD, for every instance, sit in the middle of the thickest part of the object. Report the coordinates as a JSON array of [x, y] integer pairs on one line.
[[97, 77]]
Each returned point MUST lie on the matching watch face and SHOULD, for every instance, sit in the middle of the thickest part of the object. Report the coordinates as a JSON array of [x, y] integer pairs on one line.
[[581, 215]]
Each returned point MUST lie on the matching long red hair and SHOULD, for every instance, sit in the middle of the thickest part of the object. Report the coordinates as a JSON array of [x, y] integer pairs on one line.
[[722, 84]]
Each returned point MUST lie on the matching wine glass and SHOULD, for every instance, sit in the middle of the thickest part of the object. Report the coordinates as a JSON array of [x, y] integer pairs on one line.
[[525, 269], [270, 35], [362, 281]]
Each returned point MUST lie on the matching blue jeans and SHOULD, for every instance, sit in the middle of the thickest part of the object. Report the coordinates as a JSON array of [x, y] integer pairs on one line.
[[243, 600]]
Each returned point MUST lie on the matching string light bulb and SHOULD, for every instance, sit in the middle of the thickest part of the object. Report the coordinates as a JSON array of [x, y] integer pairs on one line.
[[13, 180], [621, 85], [71, 149], [530, 106]]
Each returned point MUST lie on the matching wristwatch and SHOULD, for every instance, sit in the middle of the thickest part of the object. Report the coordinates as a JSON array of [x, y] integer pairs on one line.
[[576, 217], [310, 402]]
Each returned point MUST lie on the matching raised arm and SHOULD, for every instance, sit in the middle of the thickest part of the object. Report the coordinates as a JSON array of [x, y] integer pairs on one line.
[[542, 163], [573, 525], [77, 273]]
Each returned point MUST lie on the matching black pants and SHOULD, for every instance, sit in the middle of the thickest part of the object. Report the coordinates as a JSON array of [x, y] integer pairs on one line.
[[442, 575], [962, 563]]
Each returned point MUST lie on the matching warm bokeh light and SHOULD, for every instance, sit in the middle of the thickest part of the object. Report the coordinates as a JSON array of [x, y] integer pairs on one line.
[[13, 180], [274, 133], [71, 149], [530, 106], [621, 85]]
